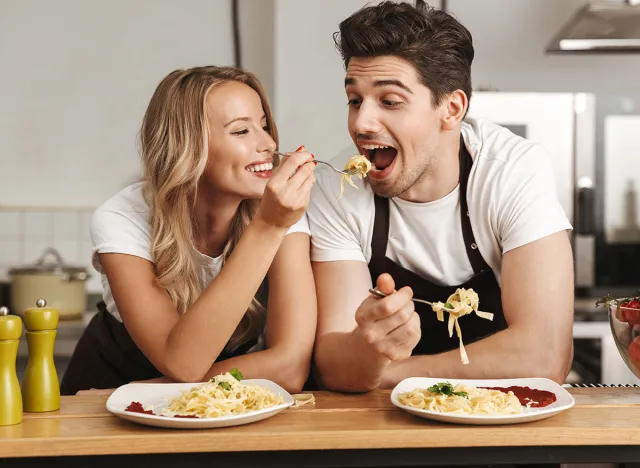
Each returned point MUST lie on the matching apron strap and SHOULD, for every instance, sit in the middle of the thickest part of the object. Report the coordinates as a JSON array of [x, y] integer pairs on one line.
[[380, 227], [475, 257], [381, 221]]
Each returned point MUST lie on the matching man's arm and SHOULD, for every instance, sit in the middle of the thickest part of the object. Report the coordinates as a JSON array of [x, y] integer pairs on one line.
[[537, 299], [358, 335]]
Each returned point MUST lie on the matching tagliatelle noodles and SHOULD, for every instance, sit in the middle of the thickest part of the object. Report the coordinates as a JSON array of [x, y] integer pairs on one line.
[[462, 302], [478, 401], [212, 400]]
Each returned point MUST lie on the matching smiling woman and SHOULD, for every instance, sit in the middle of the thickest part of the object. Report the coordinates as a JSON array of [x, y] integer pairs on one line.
[[177, 303]]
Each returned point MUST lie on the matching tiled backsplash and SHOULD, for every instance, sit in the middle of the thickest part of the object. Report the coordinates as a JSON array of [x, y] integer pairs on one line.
[[26, 233]]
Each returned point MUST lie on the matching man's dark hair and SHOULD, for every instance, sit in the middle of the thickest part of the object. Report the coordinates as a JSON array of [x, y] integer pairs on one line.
[[433, 41]]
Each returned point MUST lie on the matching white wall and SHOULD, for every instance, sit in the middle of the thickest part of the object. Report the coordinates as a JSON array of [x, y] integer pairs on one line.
[[511, 36], [311, 106], [76, 78]]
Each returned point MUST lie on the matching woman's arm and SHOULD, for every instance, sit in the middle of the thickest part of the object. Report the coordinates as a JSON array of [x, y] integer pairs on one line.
[[182, 347], [291, 321]]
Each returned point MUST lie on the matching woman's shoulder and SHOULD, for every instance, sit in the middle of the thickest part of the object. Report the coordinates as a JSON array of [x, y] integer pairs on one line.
[[121, 224], [128, 204]]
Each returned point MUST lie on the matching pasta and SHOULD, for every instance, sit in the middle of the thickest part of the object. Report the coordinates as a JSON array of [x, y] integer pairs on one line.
[[223, 395], [461, 399], [462, 302], [359, 165]]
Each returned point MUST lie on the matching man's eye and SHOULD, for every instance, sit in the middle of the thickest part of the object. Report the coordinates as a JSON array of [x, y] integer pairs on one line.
[[353, 102]]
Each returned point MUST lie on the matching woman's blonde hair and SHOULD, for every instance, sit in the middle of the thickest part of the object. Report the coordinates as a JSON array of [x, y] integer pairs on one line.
[[174, 147]]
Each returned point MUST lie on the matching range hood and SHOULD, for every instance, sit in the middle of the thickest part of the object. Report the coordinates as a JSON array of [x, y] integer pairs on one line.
[[604, 27]]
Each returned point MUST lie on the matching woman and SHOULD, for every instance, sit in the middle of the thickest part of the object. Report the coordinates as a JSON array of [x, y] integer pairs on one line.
[[184, 253]]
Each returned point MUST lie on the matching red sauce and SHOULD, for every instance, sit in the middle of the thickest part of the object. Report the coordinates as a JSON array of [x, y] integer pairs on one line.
[[529, 397], [136, 407]]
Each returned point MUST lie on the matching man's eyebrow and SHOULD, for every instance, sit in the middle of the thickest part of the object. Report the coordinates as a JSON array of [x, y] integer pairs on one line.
[[379, 83]]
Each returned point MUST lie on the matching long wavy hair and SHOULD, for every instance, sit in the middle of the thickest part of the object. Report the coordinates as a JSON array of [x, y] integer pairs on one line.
[[174, 148]]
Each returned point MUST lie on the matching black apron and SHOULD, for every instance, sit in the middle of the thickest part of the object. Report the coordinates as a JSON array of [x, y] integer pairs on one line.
[[435, 336], [107, 357]]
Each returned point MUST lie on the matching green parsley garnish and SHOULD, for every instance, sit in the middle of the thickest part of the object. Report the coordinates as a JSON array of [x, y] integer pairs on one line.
[[236, 374], [446, 389]]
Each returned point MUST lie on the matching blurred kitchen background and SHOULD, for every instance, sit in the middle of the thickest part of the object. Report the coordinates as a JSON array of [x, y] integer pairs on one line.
[[76, 77]]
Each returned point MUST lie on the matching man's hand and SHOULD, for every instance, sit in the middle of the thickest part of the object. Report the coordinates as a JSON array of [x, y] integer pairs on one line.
[[390, 327]]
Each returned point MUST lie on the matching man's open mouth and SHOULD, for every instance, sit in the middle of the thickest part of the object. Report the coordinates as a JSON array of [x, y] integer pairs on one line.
[[381, 156]]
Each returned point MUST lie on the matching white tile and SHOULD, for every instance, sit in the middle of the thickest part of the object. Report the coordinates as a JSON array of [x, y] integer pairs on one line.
[[10, 252], [68, 250], [38, 224], [85, 226], [65, 225], [34, 248], [9, 224]]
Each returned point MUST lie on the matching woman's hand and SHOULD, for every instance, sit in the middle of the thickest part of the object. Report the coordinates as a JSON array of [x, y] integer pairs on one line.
[[287, 193]]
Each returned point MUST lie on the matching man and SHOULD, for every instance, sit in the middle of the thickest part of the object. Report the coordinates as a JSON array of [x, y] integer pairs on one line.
[[448, 203]]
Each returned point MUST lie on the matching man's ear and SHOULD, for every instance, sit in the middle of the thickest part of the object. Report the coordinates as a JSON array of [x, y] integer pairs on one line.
[[454, 107]]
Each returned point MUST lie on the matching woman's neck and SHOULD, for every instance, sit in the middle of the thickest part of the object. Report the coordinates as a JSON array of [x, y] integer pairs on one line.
[[213, 218]]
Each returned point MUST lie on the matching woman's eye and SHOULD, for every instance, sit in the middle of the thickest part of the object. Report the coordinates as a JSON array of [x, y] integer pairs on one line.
[[241, 132], [353, 102]]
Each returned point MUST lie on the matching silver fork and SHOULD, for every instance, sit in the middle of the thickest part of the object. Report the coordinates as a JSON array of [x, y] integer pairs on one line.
[[353, 172], [379, 293]]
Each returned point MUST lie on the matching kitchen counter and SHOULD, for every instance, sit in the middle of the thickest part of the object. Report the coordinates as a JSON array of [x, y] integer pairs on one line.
[[338, 430]]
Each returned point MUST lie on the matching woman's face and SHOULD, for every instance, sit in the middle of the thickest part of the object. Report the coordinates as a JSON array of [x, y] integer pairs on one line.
[[240, 159]]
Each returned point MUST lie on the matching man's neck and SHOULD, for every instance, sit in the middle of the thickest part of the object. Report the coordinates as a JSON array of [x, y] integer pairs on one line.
[[441, 178]]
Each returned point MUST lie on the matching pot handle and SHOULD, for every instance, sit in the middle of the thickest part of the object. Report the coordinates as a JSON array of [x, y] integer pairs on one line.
[[50, 251], [79, 276]]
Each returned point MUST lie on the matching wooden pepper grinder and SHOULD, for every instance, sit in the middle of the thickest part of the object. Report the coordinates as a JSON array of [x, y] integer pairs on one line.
[[10, 397], [40, 388]]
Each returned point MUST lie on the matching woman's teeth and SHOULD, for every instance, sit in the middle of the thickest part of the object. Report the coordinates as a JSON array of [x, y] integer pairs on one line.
[[260, 167]]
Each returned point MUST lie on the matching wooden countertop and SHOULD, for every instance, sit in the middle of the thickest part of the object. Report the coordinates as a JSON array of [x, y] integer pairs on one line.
[[601, 417]]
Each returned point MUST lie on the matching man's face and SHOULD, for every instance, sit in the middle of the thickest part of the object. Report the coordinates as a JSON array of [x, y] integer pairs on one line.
[[392, 121]]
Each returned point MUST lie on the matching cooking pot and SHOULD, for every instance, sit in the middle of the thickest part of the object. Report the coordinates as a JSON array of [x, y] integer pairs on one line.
[[63, 285]]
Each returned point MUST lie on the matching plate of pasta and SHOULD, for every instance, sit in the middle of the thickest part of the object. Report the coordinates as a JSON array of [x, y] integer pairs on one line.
[[481, 402], [225, 400]]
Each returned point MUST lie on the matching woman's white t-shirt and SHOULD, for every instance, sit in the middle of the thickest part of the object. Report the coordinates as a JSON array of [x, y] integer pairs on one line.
[[121, 225]]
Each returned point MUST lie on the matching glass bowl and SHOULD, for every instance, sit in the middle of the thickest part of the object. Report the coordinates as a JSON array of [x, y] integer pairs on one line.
[[624, 319]]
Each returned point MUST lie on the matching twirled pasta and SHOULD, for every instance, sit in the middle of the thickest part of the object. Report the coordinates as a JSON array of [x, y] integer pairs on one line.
[[357, 164], [462, 302]]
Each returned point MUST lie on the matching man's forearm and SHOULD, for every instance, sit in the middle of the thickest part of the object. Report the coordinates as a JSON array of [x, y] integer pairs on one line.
[[511, 353], [344, 364]]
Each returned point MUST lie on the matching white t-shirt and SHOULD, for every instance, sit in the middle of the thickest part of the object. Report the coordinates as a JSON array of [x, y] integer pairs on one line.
[[121, 225], [512, 200]]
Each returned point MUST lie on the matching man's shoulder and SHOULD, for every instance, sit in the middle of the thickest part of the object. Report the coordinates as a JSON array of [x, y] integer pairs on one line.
[[499, 153]]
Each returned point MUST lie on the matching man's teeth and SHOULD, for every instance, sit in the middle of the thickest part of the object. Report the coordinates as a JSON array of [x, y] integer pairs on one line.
[[372, 147], [260, 167]]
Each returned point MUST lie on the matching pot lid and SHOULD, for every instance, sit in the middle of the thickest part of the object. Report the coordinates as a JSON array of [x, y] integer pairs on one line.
[[58, 265]]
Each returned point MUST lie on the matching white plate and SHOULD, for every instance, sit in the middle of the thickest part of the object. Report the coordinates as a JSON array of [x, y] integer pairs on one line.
[[563, 402], [157, 396]]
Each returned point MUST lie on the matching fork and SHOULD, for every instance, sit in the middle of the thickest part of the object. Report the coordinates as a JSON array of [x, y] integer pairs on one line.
[[379, 293], [349, 173]]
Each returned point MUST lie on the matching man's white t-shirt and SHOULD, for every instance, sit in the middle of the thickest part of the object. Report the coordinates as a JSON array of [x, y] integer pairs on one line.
[[121, 225], [512, 201]]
